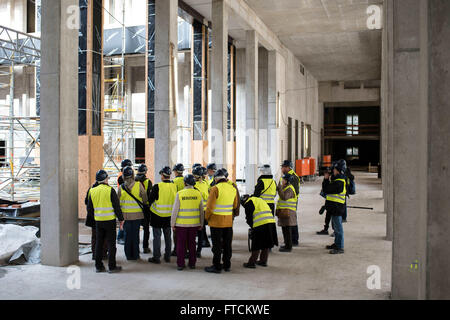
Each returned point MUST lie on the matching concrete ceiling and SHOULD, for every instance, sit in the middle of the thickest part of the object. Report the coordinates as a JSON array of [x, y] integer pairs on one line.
[[330, 37]]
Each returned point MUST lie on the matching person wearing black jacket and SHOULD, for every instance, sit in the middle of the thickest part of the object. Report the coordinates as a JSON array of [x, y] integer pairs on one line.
[[90, 222], [266, 184], [335, 189], [105, 222], [142, 178]]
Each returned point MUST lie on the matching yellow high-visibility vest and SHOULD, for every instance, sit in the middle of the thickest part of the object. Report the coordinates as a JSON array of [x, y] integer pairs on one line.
[[190, 201], [225, 201], [209, 181], [290, 204], [270, 190], [166, 197], [101, 200], [179, 182], [262, 214], [340, 197], [203, 187], [127, 203]]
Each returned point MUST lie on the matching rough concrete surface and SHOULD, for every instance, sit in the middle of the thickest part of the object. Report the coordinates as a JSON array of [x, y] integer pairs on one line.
[[309, 272]]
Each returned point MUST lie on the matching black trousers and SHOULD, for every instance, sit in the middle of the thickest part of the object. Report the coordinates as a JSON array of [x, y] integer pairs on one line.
[[287, 236], [262, 254], [295, 234], [106, 230], [94, 244], [146, 226], [221, 247], [327, 221]]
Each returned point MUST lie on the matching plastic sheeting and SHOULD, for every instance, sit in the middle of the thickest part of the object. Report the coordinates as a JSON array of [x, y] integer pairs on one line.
[[19, 245]]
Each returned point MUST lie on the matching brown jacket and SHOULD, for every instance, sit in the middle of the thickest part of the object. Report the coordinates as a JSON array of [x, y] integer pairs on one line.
[[129, 183], [291, 220], [219, 221]]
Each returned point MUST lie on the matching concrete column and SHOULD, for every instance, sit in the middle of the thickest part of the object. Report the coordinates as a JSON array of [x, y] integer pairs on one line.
[[387, 110], [166, 36], [272, 130], [219, 59], [422, 109], [251, 101], [59, 139], [263, 108]]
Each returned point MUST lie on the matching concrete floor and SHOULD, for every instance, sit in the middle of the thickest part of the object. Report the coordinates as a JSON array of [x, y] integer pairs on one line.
[[309, 272]]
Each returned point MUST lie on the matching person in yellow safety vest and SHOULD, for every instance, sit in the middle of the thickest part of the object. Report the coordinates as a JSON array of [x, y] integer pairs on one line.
[[287, 168], [125, 163], [266, 187], [104, 206], [202, 186], [141, 176], [161, 202], [187, 219], [336, 190], [178, 170], [211, 170], [132, 197], [221, 208], [286, 210], [263, 233]]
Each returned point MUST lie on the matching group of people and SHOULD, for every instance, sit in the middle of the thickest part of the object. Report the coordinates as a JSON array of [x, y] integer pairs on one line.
[[186, 204]]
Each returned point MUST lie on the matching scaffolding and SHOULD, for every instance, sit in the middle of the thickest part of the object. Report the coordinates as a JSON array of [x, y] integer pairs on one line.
[[19, 135]]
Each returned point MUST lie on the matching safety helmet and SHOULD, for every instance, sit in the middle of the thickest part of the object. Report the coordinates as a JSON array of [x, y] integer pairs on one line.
[[205, 171], [197, 171], [225, 171], [165, 171], [211, 166], [189, 180], [126, 163], [219, 174], [142, 168], [196, 165], [128, 172], [287, 163], [178, 168], [101, 175], [265, 169], [288, 177], [340, 165]]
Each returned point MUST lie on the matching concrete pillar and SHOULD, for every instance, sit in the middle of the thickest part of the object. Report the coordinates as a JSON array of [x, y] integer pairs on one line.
[[166, 41], [422, 109], [251, 101], [387, 110], [59, 139], [273, 137], [263, 111], [219, 59]]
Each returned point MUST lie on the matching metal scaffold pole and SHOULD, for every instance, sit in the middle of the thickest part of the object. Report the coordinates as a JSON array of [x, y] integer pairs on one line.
[[122, 76], [11, 128]]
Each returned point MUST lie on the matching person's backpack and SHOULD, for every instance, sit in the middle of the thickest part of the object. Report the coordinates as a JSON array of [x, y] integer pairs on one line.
[[351, 187]]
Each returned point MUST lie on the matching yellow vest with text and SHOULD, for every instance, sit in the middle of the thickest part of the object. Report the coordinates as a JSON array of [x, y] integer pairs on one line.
[[189, 212], [270, 190], [101, 201], [290, 204], [225, 200], [166, 197], [127, 203], [179, 182], [262, 214], [340, 197], [203, 187]]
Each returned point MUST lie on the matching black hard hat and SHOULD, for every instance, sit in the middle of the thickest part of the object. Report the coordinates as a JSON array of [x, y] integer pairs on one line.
[[211, 166], [142, 168], [178, 167], [196, 165], [189, 180], [244, 199], [225, 171], [101, 175], [204, 170], [288, 177], [219, 173], [126, 163], [340, 165], [287, 163], [197, 171], [166, 171], [128, 172]]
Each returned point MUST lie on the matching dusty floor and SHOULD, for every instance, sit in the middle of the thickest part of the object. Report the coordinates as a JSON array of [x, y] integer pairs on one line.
[[309, 272]]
